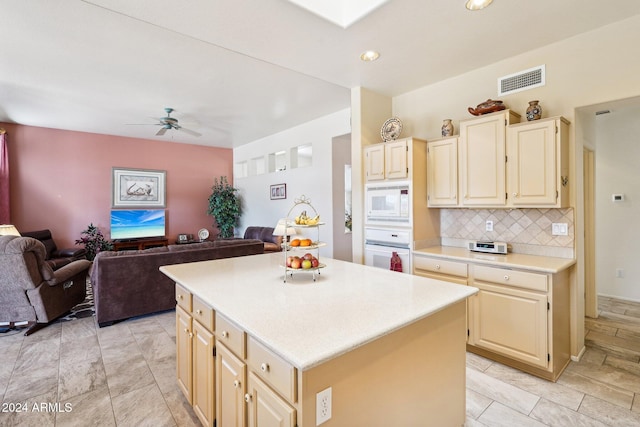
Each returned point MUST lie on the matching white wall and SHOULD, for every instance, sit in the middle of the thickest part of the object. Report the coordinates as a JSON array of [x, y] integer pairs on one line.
[[315, 181], [617, 225]]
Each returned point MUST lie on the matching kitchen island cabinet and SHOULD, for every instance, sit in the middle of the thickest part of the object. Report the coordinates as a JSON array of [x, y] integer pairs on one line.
[[390, 346], [520, 316]]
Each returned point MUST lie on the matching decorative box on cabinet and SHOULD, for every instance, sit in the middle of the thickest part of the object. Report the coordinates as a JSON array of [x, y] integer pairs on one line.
[[482, 158], [442, 172], [538, 163]]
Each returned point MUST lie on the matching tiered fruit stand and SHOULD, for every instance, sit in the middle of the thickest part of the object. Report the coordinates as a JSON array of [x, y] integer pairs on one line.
[[300, 207]]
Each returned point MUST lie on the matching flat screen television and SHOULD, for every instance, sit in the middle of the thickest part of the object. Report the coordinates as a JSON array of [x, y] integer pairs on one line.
[[137, 223]]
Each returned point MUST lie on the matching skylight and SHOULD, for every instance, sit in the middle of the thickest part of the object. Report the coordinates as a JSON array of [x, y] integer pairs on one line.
[[340, 12]]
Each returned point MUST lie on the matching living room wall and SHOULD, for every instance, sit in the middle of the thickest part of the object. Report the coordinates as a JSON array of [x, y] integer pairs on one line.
[[61, 180]]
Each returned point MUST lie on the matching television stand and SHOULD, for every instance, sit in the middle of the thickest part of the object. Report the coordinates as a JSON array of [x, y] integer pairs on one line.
[[139, 244]]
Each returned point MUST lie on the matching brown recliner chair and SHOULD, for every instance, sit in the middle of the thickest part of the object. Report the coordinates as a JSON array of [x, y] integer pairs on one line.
[[30, 290], [56, 257]]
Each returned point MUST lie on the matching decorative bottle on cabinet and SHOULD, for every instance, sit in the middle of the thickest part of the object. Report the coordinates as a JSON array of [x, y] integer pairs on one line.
[[447, 127], [534, 111]]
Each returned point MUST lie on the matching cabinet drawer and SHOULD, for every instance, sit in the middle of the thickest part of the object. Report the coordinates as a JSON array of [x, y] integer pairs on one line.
[[202, 313], [232, 336], [440, 266], [183, 298], [272, 368], [520, 279]]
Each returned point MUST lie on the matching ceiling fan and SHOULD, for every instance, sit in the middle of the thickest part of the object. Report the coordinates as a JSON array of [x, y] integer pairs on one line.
[[169, 122]]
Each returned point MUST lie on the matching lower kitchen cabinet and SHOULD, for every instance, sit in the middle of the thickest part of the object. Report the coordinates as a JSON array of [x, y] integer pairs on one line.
[[519, 317], [265, 407], [230, 388], [195, 360]]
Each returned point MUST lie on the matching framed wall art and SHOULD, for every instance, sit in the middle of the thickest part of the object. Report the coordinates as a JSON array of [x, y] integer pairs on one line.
[[278, 191], [138, 188]]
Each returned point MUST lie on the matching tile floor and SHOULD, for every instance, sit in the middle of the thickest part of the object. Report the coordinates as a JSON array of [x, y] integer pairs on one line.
[[75, 374]]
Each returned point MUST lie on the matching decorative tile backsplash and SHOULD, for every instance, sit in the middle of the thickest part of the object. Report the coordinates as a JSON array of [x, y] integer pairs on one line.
[[526, 230]]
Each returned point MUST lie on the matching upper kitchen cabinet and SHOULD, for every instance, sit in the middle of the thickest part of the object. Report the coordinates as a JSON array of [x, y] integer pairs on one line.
[[538, 163], [442, 172], [482, 159], [388, 160]]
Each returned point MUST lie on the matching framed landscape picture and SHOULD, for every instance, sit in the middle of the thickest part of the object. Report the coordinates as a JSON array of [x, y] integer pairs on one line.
[[278, 191], [138, 188]]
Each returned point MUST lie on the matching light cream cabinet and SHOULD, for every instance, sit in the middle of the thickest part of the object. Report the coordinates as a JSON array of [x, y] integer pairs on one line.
[[195, 354], [387, 160], [537, 163], [230, 388], [482, 159], [442, 172], [265, 407], [519, 317]]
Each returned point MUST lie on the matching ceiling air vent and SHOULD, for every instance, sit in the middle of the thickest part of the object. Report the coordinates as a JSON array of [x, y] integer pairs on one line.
[[523, 80]]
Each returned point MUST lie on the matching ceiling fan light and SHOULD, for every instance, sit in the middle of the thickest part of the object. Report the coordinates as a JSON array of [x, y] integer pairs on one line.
[[477, 4], [370, 55]]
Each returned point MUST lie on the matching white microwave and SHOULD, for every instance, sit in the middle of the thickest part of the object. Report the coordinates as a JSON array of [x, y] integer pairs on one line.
[[387, 203]]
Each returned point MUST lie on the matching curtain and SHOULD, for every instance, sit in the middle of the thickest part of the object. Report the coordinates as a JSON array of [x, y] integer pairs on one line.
[[4, 179]]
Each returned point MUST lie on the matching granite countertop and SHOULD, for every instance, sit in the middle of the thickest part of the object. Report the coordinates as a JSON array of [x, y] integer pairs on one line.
[[307, 322], [543, 264]]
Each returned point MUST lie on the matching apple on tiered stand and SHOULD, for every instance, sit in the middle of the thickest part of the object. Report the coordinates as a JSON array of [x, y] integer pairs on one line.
[[305, 262]]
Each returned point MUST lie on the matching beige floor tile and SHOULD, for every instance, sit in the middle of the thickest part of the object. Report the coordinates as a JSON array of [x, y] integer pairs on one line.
[[499, 415], [80, 377], [131, 374], [636, 404], [30, 413], [553, 414], [608, 374], [89, 409], [608, 413], [476, 403], [513, 397], [113, 353], [36, 381], [470, 422], [593, 325], [78, 329], [157, 346], [181, 409], [79, 351], [142, 407], [557, 393], [589, 386]]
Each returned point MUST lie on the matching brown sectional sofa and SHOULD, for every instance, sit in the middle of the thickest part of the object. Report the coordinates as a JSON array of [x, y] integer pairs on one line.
[[129, 283]]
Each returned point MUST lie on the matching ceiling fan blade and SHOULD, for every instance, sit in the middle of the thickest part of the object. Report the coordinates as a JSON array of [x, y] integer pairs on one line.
[[189, 131], [161, 131]]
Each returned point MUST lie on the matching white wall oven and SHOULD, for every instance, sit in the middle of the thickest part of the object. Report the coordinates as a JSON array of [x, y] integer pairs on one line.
[[381, 243], [388, 203]]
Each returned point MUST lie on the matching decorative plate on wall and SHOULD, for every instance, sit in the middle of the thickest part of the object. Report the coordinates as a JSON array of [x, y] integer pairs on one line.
[[391, 129]]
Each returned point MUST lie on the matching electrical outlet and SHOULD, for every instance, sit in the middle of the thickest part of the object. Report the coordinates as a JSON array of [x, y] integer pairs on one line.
[[323, 406], [488, 226], [559, 229]]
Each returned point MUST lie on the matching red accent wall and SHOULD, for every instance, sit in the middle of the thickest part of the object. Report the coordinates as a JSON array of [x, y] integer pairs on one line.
[[61, 180]]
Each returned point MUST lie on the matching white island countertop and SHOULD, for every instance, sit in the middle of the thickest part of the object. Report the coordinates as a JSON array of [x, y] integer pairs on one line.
[[543, 264], [308, 323]]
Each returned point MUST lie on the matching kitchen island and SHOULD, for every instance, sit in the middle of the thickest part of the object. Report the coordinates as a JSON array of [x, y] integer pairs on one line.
[[389, 347]]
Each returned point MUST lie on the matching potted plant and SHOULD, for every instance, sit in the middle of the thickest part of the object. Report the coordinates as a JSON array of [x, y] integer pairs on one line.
[[224, 206], [93, 241]]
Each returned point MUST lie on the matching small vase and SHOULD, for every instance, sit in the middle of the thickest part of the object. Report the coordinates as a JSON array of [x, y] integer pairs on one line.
[[447, 127], [534, 111]]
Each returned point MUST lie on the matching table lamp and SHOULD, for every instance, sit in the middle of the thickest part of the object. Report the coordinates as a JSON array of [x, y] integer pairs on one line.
[[8, 230]]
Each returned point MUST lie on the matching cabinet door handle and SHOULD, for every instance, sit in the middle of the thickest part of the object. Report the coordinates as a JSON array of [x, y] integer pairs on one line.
[[437, 266], [225, 334], [180, 297], [199, 311], [515, 194], [236, 383], [506, 277], [264, 367], [247, 398]]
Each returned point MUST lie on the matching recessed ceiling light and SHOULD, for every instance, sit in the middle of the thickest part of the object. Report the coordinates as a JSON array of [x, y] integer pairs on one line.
[[477, 4], [370, 55]]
